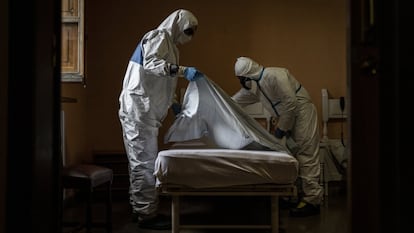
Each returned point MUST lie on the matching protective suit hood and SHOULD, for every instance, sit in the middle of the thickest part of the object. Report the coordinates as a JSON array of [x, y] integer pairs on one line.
[[246, 67], [176, 23]]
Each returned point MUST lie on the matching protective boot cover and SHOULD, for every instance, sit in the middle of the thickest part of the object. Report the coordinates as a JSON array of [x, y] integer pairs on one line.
[[210, 112]]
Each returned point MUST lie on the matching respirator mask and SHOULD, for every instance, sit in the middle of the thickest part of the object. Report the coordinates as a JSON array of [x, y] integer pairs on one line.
[[245, 82]]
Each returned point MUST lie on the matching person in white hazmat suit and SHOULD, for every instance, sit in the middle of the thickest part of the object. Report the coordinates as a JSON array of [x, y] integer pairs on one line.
[[297, 126], [148, 92]]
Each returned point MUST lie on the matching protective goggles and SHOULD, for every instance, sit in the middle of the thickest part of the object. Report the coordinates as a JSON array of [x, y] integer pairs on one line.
[[189, 31]]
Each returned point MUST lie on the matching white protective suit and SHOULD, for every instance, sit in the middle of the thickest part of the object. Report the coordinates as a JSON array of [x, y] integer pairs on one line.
[[284, 97], [147, 93]]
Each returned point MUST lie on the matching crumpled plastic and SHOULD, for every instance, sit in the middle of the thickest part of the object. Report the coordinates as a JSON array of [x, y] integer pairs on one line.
[[208, 111]]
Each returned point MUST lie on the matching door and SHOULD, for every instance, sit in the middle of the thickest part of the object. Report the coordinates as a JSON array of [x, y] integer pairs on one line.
[[379, 169]]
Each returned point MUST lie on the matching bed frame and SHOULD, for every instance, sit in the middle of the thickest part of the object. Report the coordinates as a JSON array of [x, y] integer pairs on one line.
[[271, 190]]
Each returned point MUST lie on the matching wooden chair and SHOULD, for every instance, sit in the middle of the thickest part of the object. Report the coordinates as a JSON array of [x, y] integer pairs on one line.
[[86, 178]]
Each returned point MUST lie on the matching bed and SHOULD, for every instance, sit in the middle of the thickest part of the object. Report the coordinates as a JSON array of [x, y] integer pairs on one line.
[[196, 169], [220, 150]]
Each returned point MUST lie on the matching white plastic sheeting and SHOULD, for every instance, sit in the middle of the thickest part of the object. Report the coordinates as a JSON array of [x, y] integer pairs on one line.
[[207, 168], [210, 112]]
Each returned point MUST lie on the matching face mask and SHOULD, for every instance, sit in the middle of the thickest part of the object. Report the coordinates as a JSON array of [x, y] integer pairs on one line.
[[245, 82]]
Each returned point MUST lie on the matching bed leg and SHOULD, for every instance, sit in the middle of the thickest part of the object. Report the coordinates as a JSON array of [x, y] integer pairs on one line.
[[275, 214], [175, 214]]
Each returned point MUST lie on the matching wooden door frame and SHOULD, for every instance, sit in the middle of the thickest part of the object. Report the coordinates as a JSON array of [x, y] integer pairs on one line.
[[33, 154]]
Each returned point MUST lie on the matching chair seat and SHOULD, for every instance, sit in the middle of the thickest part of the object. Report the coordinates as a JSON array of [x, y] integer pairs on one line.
[[85, 176]]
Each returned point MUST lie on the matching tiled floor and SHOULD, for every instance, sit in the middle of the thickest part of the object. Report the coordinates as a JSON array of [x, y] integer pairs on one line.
[[333, 217]]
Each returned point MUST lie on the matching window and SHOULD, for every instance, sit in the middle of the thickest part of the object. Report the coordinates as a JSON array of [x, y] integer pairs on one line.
[[72, 60]]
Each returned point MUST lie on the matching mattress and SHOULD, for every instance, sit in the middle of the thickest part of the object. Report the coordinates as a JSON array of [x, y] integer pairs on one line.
[[215, 167]]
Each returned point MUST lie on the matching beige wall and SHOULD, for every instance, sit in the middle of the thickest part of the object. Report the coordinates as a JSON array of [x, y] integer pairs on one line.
[[75, 124], [306, 36]]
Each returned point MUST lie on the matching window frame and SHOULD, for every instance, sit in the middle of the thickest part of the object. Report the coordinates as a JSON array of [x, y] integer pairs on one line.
[[78, 73]]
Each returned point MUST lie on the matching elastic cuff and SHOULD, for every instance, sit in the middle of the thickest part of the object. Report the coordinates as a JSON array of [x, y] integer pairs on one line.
[[180, 72], [173, 69]]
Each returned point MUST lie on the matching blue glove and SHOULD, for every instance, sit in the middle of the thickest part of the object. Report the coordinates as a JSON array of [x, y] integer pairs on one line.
[[279, 133], [198, 75], [191, 73], [176, 108]]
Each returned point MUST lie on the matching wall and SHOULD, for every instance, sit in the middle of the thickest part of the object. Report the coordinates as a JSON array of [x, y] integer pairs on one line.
[[75, 123], [306, 36]]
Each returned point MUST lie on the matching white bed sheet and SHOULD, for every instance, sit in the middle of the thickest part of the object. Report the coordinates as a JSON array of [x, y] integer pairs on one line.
[[209, 168]]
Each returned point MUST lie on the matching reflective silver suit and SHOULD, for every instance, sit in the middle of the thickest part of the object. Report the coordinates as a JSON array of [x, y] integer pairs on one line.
[[147, 93]]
